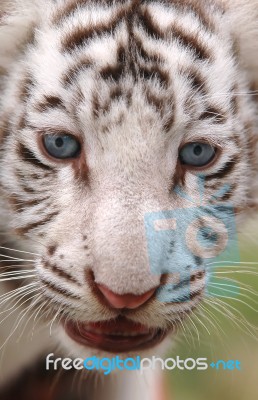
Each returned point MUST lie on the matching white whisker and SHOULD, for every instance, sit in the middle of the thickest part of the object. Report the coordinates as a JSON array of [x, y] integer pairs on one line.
[[238, 287], [14, 273], [53, 320], [235, 299], [13, 293], [238, 320], [25, 312], [17, 302], [233, 263], [33, 303], [17, 277], [19, 251], [15, 258], [195, 327]]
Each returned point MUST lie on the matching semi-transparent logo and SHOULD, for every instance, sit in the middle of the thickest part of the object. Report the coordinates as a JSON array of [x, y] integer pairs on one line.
[[201, 236]]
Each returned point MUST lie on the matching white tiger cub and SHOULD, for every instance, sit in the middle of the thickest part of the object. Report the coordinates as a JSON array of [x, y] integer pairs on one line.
[[106, 108]]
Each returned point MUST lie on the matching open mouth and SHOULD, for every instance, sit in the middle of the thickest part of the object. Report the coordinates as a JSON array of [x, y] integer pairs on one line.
[[115, 336]]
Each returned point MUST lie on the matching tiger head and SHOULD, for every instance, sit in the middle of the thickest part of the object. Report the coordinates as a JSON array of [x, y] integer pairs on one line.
[[113, 119]]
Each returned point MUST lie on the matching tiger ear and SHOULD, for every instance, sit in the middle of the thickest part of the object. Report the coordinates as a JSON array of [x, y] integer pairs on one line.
[[244, 25], [17, 21]]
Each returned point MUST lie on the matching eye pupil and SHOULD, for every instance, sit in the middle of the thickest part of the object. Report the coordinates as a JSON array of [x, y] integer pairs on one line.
[[59, 142], [198, 150]]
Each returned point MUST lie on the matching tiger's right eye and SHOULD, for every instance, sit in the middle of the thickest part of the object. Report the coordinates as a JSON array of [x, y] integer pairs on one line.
[[62, 146]]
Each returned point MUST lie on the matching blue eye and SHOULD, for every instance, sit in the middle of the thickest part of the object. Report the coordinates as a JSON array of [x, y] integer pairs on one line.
[[62, 146], [197, 154]]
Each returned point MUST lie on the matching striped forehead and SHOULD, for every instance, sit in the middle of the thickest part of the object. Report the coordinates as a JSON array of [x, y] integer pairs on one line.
[[104, 54]]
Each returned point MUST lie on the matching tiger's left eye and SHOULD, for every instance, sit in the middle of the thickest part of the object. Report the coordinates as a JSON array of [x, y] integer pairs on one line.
[[62, 146], [197, 154]]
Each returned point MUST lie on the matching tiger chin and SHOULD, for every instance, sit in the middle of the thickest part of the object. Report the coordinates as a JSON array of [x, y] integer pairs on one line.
[[112, 114]]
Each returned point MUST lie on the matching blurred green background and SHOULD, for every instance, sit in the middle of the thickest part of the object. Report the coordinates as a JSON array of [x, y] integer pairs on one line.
[[233, 335]]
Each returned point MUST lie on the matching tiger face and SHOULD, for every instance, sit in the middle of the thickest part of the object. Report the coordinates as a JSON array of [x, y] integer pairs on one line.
[[115, 113]]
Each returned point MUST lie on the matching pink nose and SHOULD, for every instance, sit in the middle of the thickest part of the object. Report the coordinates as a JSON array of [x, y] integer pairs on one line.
[[131, 301]]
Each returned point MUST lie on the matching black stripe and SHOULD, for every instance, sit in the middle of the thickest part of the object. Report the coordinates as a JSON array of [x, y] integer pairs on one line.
[[182, 283], [27, 189], [155, 73], [160, 105], [30, 157], [226, 196], [217, 210], [187, 40], [50, 102], [225, 171], [59, 290], [155, 101], [70, 7], [116, 93], [30, 176], [198, 260], [187, 298], [19, 205], [66, 11], [192, 43], [82, 34], [95, 104], [144, 55], [195, 78], [121, 55], [39, 175], [169, 121], [5, 130], [22, 123], [61, 273], [147, 23], [51, 295], [27, 84], [70, 75], [212, 113], [198, 275], [113, 72], [25, 229], [202, 10]]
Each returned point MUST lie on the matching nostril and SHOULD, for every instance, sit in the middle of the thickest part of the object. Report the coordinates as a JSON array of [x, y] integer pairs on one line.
[[130, 301]]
